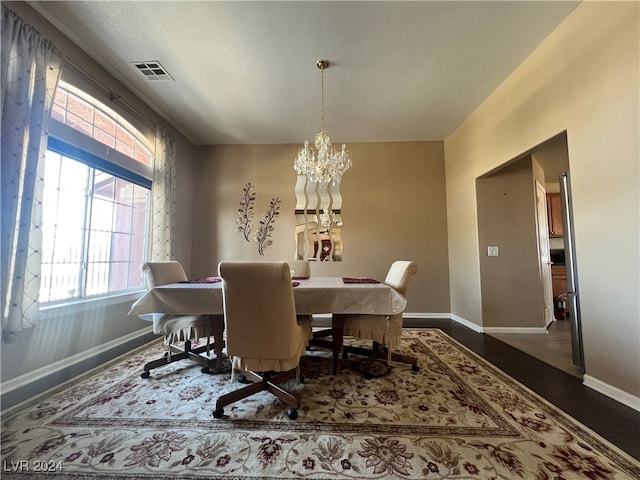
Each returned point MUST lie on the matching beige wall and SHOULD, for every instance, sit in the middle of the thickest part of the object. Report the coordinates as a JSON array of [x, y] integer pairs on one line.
[[511, 289], [393, 209], [583, 79]]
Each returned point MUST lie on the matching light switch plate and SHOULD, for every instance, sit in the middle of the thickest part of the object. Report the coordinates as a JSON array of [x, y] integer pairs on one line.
[[493, 251]]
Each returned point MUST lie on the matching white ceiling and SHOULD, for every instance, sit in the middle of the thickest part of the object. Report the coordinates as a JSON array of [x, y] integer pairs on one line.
[[245, 72]]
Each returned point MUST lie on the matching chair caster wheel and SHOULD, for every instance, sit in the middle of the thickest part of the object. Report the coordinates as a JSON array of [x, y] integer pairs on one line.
[[205, 370], [292, 413], [243, 379], [415, 368], [145, 374], [368, 376], [218, 413]]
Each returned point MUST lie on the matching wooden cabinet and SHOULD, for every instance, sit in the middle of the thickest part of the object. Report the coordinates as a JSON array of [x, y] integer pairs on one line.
[[558, 280], [559, 286], [554, 215]]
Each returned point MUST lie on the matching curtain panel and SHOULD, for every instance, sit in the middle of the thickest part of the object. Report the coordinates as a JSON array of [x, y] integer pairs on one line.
[[163, 198], [31, 67]]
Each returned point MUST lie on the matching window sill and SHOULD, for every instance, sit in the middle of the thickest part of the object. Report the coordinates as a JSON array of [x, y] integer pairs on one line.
[[91, 304]]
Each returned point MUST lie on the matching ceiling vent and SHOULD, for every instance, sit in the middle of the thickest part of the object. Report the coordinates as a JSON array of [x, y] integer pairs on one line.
[[152, 70]]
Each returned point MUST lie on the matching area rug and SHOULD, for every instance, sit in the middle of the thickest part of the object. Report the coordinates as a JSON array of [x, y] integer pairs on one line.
[[459, 417]]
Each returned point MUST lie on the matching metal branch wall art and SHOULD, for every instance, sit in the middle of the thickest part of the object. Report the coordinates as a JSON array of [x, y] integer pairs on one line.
[[245, 218], [263, 235], [246, 211]]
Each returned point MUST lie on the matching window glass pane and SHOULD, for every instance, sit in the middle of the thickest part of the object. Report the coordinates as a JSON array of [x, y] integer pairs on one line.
[[116, 219], [120, 246], [122, 218], [124, 137], [57, 113], [65, 282], [104, 137], [124, 148], [60, 98], [79, 124], [94, 223], [101, 215], [124, 192], [137, 248], [103, 185], [141, 154], [73, 176], [97, 278], [105, 123], [134, 276], [80, 108], [119, 278], [99, 249]]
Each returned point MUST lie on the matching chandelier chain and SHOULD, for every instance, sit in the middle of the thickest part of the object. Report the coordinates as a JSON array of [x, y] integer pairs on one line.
[[323, 164], [322, 100]]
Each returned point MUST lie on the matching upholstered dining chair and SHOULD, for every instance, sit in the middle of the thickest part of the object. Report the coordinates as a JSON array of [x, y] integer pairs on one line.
[[264, 337], [384, 330], [301, 268], [178, 329]]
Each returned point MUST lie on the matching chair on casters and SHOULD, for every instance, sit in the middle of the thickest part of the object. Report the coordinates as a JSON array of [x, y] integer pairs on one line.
[[384, 330], [265, 339], [180, 328]]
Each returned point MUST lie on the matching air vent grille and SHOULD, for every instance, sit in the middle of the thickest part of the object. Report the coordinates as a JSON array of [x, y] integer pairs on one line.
[[153, 70]]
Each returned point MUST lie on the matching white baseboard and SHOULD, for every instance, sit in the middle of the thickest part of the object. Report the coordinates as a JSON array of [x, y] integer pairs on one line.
[[610, 391], [327, 316], [537, 330], [466, 323], [40, 373], [426, 315]]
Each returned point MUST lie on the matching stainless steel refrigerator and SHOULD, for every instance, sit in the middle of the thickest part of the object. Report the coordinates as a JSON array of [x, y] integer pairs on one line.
[[573, 295]]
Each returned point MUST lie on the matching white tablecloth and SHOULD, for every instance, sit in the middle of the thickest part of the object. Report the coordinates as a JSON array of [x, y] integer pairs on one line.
[[314, 295]]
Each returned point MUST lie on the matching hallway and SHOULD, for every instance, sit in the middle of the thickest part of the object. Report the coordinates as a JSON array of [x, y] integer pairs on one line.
[[553, 347]]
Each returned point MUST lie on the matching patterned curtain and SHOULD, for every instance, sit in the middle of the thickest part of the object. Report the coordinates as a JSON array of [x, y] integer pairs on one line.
[[163, 198], [31, 67]]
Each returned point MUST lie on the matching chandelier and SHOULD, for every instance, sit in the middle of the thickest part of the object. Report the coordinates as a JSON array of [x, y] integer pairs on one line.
[[323, 164]]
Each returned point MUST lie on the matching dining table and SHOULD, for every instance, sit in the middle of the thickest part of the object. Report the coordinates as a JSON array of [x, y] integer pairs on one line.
[[312, 295]]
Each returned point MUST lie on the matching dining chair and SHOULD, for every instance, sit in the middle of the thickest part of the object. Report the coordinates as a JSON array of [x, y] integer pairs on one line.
[[178, 329], [300, 268], [264, 337], [384, 330]]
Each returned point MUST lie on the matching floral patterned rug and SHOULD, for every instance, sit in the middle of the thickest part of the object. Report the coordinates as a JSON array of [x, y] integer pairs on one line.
[[457, 418]]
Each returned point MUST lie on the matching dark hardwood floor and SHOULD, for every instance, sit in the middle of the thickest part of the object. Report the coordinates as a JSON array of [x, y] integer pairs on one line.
[[612, 420]]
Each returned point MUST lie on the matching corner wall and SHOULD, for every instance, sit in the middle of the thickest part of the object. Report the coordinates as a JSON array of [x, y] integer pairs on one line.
[[584, 79]]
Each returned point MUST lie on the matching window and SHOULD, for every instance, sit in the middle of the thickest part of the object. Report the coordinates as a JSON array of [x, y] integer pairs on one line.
[[82, 116], [95, 203]]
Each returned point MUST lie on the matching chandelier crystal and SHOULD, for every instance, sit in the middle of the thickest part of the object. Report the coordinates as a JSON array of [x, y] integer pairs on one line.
[[323, 164]]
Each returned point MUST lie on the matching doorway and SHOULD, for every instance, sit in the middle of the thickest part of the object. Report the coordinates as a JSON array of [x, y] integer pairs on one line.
[[552, 343]]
